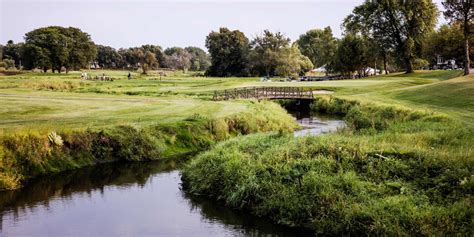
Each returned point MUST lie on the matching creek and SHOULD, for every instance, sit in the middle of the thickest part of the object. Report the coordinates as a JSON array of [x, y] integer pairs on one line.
[[134, 199]]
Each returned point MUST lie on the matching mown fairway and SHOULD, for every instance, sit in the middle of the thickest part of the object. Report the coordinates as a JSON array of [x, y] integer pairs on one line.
[[36, 100]]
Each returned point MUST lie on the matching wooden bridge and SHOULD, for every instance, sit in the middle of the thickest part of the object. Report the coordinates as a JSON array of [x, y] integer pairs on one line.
[[263, 93]]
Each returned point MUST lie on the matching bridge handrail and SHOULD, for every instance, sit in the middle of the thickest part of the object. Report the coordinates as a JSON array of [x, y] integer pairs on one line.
[[263, 93]]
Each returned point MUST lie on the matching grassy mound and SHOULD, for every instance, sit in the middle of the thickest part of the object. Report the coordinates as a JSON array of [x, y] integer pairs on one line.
[[30, 154], [395, 171]]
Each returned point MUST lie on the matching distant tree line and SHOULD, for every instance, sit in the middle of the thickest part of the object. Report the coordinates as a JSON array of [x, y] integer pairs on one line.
[[59, 49], [148, 57], [390, 35]]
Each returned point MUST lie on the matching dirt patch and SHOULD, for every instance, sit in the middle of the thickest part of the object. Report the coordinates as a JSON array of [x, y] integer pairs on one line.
[[322, 92], [10, 73]]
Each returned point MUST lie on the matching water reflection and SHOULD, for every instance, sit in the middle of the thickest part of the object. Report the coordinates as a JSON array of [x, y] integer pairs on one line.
[[125, 199], [314, 123]]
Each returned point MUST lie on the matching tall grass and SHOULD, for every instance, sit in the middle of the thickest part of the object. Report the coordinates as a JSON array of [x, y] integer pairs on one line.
[[26, 155], [396, 172]]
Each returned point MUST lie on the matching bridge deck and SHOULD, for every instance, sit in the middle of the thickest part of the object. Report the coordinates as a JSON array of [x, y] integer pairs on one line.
[[264, 93]]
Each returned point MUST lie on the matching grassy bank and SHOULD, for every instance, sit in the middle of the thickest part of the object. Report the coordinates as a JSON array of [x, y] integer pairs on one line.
[[399, 169], [29, 154]]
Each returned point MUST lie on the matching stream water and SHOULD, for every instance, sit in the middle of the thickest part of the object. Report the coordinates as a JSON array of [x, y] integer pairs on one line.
[[132, 199], [315, 124]]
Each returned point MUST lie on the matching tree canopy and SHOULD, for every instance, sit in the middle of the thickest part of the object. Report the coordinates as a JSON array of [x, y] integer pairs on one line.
[[400, 26], [12, 52], [229, 53], [55, 47], [351, 55], [319, 45], [177, 58], [272, 55], [462, 11], [200, 60]]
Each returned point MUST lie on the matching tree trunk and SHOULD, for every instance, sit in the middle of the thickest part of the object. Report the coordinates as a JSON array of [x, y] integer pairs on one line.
[[467, 62], [409, 65], [375, 67], [385, 63]]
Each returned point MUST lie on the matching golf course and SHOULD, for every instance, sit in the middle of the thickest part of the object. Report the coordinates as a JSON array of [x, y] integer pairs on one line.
[[236, 118], [404, 157]]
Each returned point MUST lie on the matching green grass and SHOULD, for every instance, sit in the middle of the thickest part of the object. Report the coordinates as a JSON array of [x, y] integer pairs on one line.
[[31, 153], [403, 167], [36, 100]]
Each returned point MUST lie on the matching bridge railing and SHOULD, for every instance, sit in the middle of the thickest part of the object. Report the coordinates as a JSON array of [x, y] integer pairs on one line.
[[263, 93]]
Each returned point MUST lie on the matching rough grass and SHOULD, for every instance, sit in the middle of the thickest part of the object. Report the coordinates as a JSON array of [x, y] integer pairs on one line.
[[403, 167], [26, 155], [396, 172]]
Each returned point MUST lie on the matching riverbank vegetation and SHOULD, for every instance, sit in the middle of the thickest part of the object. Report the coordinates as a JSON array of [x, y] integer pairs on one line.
[[404, 166], [32, 153]]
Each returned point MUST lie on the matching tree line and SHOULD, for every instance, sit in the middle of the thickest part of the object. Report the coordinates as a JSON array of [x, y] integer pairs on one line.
[[391, 35], [58, 48]]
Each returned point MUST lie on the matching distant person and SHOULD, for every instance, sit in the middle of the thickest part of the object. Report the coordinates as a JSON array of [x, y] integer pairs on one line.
[[129, 76]]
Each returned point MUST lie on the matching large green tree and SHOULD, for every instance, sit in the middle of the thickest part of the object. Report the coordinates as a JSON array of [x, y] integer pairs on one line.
[[229, 53], [265, 52], [396, 25], [291, 63], [13, 51], [462, 11], [319, 45], [108, 57], [272, 55], [56, 47], [351, 56], [447, 42]]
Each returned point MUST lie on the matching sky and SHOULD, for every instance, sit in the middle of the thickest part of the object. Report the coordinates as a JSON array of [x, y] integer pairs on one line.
[[129, 23]]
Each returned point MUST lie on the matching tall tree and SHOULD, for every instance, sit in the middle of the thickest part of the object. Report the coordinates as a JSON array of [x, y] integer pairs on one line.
[[229, 53], [265, 51], [462, 11], [319, 45], [108, 57], [12, 51], [56, 47], [82, 50], [397, 25], [290, 62], [447, 42], [351, 56]]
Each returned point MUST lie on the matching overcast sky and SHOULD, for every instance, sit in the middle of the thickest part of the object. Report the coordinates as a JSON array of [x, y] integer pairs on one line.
[[127, 23]]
